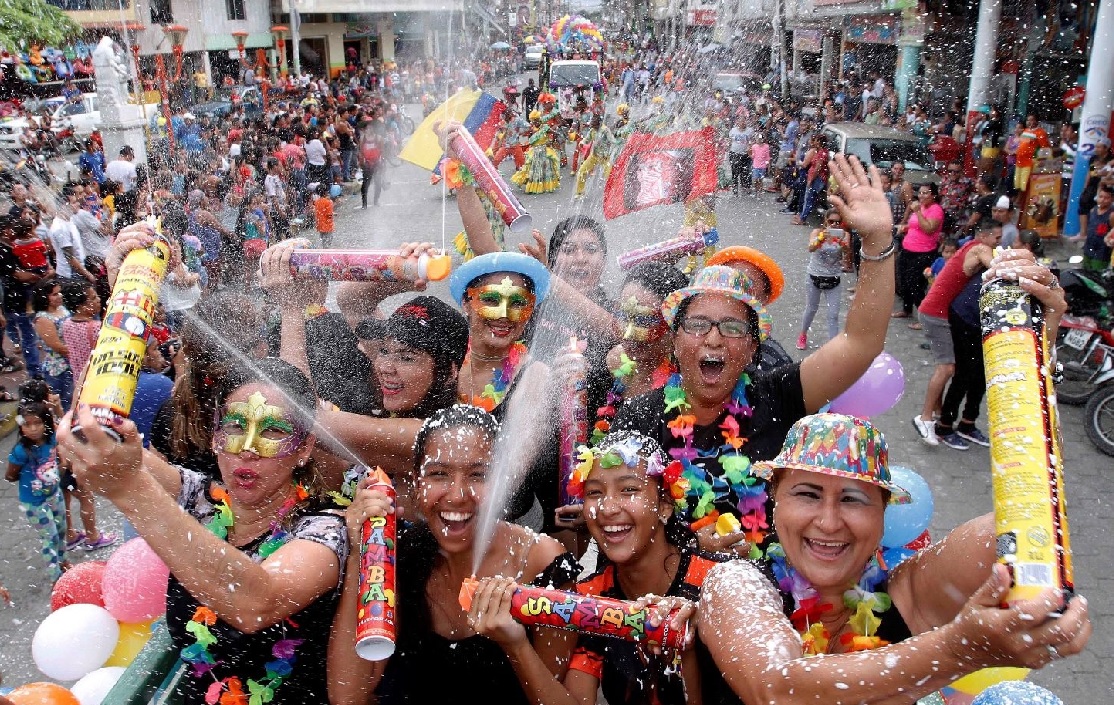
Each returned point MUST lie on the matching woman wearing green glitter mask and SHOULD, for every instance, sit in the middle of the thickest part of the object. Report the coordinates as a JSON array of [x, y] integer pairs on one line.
[[255, 559]]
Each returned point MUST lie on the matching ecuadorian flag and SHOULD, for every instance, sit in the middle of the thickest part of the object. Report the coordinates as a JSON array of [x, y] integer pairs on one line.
[[480, 113]]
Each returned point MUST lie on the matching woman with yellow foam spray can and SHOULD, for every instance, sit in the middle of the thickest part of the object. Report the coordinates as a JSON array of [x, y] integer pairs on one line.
[[1021, 305], [114, 364]]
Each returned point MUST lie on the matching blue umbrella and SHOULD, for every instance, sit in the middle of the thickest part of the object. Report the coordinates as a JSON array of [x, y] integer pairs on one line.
[[500, 45]]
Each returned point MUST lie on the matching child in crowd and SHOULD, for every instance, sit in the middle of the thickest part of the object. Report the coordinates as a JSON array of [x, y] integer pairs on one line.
[[33, 463], [79, 331], [827, 247], [948, 248], [323, 215], [760, 163], [29, 248]]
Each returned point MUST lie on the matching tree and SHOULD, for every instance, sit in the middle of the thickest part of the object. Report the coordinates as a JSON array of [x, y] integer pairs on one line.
[[26, 22]]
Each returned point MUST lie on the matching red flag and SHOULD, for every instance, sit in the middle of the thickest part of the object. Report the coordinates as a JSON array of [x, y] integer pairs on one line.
[[656, 169]]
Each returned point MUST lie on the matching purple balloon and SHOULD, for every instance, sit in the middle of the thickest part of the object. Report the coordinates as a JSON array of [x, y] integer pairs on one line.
[[876, 392]]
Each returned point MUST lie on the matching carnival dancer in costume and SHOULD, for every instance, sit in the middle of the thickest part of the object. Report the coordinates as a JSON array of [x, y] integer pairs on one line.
[[603, 146], [935, 617], [444, 654], [515, 139], [627, 484], [255, 558], [582, 134], [542, 171], [712, 415], [551, 116]]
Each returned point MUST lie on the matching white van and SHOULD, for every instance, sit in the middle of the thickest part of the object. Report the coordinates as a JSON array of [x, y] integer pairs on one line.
[[568, 78]]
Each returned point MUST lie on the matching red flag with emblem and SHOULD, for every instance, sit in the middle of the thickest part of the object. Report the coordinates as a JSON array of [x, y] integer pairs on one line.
[[653, 170]]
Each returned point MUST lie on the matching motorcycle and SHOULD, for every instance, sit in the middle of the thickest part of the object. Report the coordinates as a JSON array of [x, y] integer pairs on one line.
[[1086, 334], [1099, 413]]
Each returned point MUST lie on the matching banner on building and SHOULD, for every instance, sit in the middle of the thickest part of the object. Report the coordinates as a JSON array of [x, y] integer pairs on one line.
[[872, 30], [654, 170]]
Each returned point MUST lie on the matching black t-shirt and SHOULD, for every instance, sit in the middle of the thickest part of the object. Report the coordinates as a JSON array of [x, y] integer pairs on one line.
[[429, 668], [15, 291], [629, 674], [777, 402], [245, 655], [984, 205]]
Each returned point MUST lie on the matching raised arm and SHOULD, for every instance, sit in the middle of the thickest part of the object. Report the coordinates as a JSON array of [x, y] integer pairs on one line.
[[250, 596], [833, 368]]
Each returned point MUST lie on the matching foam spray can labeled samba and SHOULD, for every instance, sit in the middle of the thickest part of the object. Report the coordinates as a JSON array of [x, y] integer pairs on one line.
[[367, 266], [115, 362], [1025, 445], [376, 610]]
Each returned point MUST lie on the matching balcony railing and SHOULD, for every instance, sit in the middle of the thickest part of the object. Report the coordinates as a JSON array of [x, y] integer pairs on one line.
[[85, 5]]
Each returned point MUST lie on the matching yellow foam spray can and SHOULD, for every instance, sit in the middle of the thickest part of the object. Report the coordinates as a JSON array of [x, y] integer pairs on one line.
[[114, 364], [1026, 461]]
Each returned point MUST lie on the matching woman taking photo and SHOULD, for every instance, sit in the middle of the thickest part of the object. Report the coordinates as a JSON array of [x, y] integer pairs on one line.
[[261, 572], [440, 655], [923, 226], [934, 618], [713, 416]]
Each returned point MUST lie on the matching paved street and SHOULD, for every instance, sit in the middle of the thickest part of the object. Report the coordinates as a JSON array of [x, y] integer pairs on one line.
[[412, 210]]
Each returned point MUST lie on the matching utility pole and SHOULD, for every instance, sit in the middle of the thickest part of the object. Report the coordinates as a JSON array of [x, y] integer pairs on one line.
[[1097, 104], [982, 68]]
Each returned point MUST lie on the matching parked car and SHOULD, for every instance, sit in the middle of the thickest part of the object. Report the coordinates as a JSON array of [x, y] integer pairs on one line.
[[79, 118], [532, 59], [882, 146], [12, 127], [226, 98]]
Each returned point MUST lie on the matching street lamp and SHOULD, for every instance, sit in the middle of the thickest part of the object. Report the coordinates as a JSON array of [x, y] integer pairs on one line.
[[279, 33], [241, 38], [176, 33]]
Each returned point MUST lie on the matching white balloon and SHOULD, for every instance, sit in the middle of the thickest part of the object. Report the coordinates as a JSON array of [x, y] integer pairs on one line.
[[92, 689], [74, 641]]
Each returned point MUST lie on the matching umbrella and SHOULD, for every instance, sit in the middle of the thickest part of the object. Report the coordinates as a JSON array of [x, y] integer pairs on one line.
[[708, 48], [501, 46]]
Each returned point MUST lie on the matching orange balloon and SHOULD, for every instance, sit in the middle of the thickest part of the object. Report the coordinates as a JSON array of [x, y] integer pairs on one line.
[[42, 694]]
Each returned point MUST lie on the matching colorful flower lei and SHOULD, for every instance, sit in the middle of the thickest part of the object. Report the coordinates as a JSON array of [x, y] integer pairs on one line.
[[627, 448], [230, 689], [704, 488], [493, 393], [862, 600], [627, 367]]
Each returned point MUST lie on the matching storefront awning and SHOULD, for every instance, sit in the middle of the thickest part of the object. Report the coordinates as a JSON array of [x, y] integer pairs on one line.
[[224, 42]]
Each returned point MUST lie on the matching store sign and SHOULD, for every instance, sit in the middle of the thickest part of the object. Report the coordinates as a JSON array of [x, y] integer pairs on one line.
[[1073, 97], [810, 40], [872, 30], [702, 18]]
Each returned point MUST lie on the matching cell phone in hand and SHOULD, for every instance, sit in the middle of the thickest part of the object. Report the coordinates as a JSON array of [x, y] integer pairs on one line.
[[835, 233]]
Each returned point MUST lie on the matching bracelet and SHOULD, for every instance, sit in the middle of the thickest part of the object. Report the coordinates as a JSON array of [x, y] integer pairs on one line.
[[881, 256]]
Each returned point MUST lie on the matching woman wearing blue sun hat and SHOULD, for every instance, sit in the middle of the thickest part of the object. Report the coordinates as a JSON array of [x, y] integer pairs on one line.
[[499, 293]]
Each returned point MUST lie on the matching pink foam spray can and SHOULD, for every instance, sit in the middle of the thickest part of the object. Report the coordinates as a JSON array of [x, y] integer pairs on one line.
[[669, 250], [490, 182]]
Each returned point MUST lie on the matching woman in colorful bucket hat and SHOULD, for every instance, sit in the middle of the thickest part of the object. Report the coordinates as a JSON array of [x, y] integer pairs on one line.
[[712, 415], [931, 620]]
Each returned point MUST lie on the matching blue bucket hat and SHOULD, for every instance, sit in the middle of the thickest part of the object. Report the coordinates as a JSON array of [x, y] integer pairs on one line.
[[511, 262]]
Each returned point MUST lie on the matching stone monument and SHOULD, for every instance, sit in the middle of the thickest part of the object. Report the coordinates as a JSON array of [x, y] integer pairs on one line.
[[122, 122]]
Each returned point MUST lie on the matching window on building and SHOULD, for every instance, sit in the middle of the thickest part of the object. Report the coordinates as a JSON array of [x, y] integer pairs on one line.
[[161, 12], [236, 9]]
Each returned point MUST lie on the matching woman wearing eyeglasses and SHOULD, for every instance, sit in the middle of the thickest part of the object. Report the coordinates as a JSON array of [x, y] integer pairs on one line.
[[715, 418]]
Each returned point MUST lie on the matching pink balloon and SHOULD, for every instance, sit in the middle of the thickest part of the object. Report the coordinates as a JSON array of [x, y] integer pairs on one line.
[[135, 583], [876, 392]]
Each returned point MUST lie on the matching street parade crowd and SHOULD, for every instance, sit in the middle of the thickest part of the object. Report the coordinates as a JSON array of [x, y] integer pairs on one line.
[[716, 487]]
